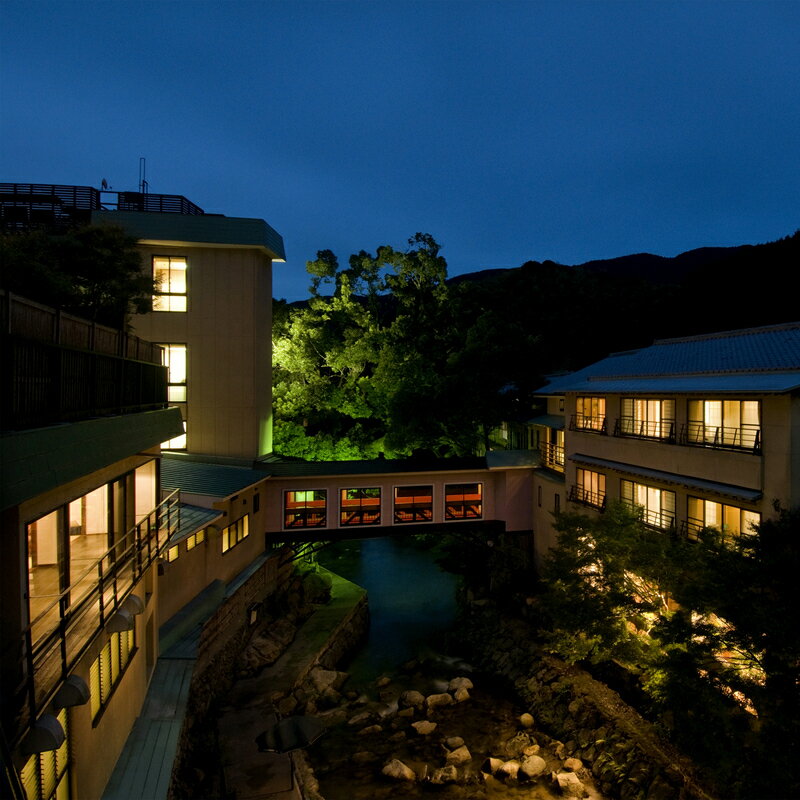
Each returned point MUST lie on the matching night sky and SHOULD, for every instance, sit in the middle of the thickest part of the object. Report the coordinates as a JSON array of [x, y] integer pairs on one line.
[[509, 131]]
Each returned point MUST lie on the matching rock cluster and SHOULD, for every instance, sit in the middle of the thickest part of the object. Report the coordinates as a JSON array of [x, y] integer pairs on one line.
[[410, 740], [594, 732]]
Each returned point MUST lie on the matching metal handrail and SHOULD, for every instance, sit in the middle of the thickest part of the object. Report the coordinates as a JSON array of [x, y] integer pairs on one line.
[[135, 552], [552, 455], [663, 430], [578, 494], [585, 422], [699, 434]]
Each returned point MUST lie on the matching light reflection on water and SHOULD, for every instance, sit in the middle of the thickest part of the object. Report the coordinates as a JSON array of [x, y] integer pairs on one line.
[[411, 600]]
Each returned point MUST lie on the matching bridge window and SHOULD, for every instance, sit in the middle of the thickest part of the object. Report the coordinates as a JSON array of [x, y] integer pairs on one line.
[[463, 501], [413, 504], [305, 509], [360, 507]]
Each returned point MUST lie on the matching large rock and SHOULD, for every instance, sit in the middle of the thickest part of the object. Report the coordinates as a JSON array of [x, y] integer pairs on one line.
[[569, 784], [515, 746], [424, 727], [411, 699], [532, 767], [526, 721], [460, 755], [398, 771], [459, 683], [439, 700], [461, 695], [492, 765], [448, 774], [317, 587], [322, 679], [509, 770]]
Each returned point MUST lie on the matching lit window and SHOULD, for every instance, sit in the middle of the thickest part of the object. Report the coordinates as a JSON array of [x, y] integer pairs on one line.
[[724, 423], [305, 509], [108, 668], [169, 274], [195, 539], [730, 520], [463, 501], [235, 533], [657, 505], [360, 507], [45, 775], [589, 488], [590, 414], [647, 418], [178, 443], [175, 360], [413, 504], [173, 553]]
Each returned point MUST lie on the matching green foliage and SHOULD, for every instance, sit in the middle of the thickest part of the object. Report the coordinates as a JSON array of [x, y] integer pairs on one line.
[[94, 272], [394, 360], [729, 635]]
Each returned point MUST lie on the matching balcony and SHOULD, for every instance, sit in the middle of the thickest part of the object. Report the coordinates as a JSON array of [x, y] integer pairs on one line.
[[63, 368], [697, 434], [662, 430], [577, 494], [552, 456], [53, 642], [587, 424]]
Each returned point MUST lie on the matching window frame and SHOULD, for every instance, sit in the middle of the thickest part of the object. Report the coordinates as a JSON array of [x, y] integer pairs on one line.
[[361, 512], [235, 533], [595, 420], [650, 517], [302, 510], [414, 507], [460, 503], [159, 296], [115, 656]]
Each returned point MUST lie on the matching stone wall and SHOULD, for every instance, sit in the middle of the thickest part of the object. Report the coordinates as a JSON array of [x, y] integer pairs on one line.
[[626, 756]]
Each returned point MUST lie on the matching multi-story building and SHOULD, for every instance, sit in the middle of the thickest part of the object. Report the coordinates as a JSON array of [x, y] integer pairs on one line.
[[82, 526], [702, 431]]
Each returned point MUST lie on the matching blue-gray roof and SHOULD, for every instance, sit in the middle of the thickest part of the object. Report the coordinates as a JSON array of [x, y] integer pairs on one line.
[[750, 360], [201, 477], [548, 420], [512, 459], [210, 229], [193, 518], [698, 484]]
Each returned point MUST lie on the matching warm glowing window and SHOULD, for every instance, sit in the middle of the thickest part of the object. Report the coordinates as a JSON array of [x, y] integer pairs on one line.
[[175, 360], [590, 414], [647, 418], [725, 423], [590, 488], [173, 553], [108, 668], [463, 501], [178, 443], [235, 533], [195, 539], [657, 505], [728, 519], [360, 506], [145, 489], [305, 509], [552, 449], [45, 776], [413, 504], [169, 274]]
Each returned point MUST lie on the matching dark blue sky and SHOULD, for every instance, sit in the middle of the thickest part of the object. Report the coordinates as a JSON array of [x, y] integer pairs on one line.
[[509, 131]]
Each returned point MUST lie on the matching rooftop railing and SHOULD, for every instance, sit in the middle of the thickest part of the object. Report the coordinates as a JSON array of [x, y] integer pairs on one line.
[[552, 456]]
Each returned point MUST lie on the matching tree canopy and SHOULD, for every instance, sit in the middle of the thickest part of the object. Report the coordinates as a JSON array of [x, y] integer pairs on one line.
[[394, 361], [712, 626], [93, 271]]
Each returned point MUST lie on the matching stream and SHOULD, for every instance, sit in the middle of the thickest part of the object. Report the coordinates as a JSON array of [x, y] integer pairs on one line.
[[412, 610]]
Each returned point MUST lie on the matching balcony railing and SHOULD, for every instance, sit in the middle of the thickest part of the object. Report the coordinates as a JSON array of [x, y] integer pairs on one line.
[[583, 422], [746, 438], [578, 494], [552, 456], [58, 637], [658, 520], [663, 430]]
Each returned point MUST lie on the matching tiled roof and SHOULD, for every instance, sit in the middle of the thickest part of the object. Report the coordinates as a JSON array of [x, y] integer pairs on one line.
[[200, 477], [699, 484], [754, 359], [192, 519], [376, 466]]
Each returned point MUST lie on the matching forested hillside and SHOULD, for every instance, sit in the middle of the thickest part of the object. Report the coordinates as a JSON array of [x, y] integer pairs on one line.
[[389, 356]]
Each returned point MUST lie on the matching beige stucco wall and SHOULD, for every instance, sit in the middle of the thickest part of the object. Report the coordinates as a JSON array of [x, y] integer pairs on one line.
[[545, 486], [228, 332]]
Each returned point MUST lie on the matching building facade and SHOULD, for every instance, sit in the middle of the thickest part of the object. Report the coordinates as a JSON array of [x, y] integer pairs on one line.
[[82, 526], [702, 431]]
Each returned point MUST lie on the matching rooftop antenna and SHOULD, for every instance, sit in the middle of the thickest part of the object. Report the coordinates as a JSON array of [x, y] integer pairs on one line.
[[143, 185]]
